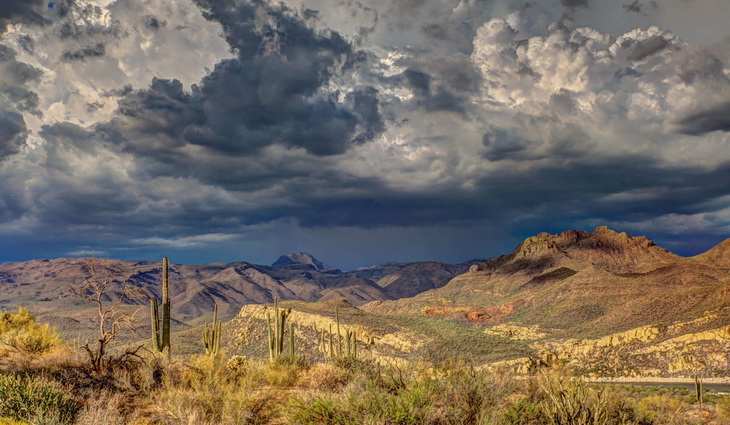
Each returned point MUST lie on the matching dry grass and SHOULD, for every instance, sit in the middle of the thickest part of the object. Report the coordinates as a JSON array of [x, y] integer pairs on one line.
[[147, 389]]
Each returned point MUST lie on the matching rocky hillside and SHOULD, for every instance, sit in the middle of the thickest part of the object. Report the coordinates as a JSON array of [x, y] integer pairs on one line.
[[582, 286], [577, 282]]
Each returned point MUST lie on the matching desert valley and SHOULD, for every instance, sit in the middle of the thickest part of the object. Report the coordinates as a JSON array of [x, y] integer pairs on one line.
[[568, 308]]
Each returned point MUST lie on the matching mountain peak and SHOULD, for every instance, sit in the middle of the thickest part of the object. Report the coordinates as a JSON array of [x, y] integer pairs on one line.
[[603, 247], [301, 258]]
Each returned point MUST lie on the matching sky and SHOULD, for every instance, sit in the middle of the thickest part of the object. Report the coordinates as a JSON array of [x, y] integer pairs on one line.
[[361, 131]]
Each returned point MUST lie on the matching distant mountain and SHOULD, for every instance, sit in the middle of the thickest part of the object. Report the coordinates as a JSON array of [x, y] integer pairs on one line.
[[301, 258], [44, 285], [401, 280]]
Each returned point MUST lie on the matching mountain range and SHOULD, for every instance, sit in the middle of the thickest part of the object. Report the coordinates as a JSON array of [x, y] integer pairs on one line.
[[45, 285], [608, 303]]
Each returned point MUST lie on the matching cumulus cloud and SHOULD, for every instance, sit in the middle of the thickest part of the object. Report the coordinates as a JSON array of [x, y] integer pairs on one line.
[[433, 120]]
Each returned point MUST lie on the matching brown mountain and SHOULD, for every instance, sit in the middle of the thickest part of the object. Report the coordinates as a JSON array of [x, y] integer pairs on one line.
[[581, 283]]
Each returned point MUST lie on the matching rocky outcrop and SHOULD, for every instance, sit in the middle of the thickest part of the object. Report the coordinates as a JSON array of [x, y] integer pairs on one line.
[[605, 248]]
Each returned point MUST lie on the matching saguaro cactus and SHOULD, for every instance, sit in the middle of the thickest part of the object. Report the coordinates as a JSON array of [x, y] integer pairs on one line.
[[276, 331], [698, 389], [161, 338], [334, 349], [212, 335]]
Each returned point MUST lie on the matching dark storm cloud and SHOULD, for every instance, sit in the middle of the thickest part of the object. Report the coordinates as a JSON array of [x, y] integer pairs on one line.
[[274, 92], [121, 92], [153, 22], [638, 6], [26, 11], [14, 79], [712, 119], [439, 83], [574, 4], [583, 189], [698, 65], [418, 81], [87, 52], [12, 133], [26, 43], [500, 145], [604, 190], [364, 102], [635, 7], [15, 98], [645, 48]]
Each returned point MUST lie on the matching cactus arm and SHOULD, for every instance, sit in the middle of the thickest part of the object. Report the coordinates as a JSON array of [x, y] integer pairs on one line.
[[339, 335], [212, 335], [155, 322], [271, 337], [165, 337]]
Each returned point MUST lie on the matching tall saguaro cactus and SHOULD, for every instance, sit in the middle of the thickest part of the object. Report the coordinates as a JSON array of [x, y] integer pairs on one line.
[[161, 338], [698, 389], [332, 346], [212, 335], [276, 331]]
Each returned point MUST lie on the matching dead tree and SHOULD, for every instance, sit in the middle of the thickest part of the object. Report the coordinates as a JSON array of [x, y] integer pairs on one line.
[[112, 316]]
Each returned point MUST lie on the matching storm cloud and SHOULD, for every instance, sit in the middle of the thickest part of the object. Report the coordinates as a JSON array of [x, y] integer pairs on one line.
[[22, 11], [299, 126]]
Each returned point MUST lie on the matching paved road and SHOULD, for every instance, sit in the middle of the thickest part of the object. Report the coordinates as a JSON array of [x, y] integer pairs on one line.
[[725, 388]]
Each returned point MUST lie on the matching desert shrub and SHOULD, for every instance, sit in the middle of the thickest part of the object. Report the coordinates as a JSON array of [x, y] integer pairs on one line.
[[661, 407], [469, 391], [395, 395], [569, 401], [207, 392], [622, 408], [11, 421], [324, 410], [723, 407], [237, 365], [521, 412], [30, 398], [324, 377], [283, 374], [104, 409], [19, 330]]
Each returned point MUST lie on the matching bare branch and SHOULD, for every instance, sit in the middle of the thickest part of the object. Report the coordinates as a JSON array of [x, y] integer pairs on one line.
[[97, 288]]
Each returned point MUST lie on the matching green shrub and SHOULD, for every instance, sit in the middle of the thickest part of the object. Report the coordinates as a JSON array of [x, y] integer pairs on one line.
[[19, 331], [323, 410], [11, 421], [522, 412], [30, 398], [569, 401]]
